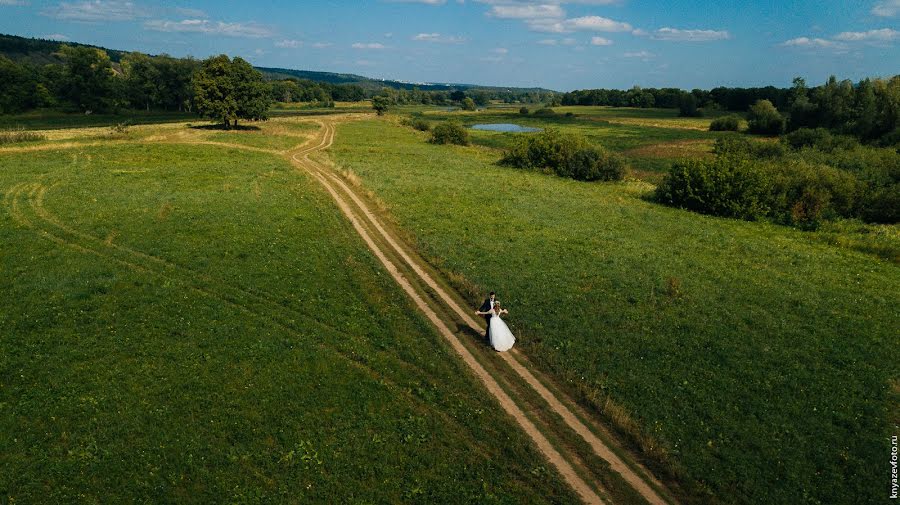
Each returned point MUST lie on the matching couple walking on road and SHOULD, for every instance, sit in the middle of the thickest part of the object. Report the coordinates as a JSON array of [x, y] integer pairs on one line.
[[497, 333]]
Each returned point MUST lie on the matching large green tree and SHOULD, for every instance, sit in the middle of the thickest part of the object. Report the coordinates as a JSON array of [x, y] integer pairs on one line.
[[89, 79], [228, 90]]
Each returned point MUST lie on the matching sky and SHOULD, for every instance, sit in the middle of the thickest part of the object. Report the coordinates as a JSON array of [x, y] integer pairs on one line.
[[555, 44]]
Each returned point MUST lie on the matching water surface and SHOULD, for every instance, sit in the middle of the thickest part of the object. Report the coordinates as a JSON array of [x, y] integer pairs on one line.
[[504, 127]]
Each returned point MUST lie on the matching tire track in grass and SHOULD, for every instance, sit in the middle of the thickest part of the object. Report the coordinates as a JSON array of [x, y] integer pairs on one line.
[[635, 475], [30, 191]]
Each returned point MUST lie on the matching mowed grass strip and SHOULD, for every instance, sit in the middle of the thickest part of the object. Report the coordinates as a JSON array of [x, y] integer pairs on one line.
[[753, 358], [196, 324]]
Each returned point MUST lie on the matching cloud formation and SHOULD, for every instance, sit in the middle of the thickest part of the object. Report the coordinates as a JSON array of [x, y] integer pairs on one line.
[[438, 38], [678, 35], [882, 35], [368, 45], [289, 43], [207, 27], [600, 41], [807, 42], [886, 8], [93, 11]]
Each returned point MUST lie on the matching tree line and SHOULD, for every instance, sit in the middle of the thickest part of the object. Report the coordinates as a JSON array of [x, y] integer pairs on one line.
[[868, 109], [86, 79]]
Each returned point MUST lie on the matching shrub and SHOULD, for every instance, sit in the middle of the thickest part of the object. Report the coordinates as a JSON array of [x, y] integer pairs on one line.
[[565, 155], [523, 111], [730, 123], [818, 138], [726, 186], [744, 148], [468, 104], [596, 164], [450, 132], [416, 123], [882, 205], [765, 119], [805, 194], [544, 111]]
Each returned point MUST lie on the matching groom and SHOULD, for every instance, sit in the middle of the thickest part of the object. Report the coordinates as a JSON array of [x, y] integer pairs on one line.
[[487, 310]]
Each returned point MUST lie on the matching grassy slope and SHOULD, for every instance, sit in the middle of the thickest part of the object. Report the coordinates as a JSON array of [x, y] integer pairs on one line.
[[758, 358], [118, 384]]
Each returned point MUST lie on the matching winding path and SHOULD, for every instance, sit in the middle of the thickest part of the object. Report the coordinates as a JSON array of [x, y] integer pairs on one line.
[[432, 298]]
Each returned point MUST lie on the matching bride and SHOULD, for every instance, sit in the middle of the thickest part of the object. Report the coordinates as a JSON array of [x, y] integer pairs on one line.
[[501, 338]]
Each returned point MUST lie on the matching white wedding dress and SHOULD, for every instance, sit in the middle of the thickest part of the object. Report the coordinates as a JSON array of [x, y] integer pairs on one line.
[[501, 338]]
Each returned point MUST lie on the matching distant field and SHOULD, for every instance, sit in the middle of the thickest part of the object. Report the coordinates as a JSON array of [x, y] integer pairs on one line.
[[186, 323], [649, 138], [758, 361]]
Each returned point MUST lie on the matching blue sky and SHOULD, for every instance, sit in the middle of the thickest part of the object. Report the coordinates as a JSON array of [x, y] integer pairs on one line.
[[557, 44]]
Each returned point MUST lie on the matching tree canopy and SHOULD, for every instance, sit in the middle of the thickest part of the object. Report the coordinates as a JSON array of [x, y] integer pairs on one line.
[[228, 90]]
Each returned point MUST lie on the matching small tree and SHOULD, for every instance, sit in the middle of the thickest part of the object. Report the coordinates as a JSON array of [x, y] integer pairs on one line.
[[468, 104], [764, 118], [380, 104], [523, 111]]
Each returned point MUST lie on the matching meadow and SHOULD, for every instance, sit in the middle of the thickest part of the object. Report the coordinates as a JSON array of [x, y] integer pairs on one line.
[[185, 322], [754, 362], [649, 138]]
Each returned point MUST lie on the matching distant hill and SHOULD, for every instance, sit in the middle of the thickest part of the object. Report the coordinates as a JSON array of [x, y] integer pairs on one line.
[[42, 52]]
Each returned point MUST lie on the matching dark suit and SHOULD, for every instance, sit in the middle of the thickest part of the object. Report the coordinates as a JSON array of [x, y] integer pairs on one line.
[[486, 307]]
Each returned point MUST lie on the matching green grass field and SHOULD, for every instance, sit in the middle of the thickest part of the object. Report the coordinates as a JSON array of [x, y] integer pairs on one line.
[[757, 362], [186, 323]]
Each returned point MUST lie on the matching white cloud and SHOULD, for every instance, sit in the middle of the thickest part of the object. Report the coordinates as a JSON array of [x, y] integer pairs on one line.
[[887, 8], [289, 43], [437, 37], [597, 24], [527, 11], [190, 13], [55, 36], [643, 55], [806, 42], [500, 50], [95, 10], [677, 35], [585, 23], [13, 3], [322, 45], [426, 2], [882, 35], [548, 42], [369, 45], [207, 27], [600, 41]]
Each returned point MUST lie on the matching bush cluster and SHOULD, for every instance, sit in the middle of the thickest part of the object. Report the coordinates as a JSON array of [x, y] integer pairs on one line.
[[764, 118], [729, 123], [416, 123], [804, 180], [544, 111], [565, 155], [450, 132]]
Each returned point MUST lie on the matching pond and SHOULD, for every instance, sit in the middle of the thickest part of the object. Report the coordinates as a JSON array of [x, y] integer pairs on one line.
[[504, 127]]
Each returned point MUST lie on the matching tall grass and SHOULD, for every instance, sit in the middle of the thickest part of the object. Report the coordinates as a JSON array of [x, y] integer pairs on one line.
[[18, 135]]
